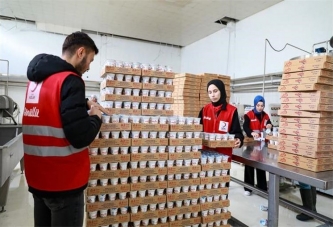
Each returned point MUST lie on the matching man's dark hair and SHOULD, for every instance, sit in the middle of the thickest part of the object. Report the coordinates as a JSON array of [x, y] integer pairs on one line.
[[77, 40]]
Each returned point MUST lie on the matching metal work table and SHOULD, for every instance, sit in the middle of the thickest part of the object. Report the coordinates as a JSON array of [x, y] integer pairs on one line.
[[259, 156]]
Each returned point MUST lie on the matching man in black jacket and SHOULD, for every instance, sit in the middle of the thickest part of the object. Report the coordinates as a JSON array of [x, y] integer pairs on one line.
[[78, 128]]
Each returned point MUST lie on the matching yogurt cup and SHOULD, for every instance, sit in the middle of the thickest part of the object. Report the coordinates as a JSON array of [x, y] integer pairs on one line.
[[105, 135], [144, 149], [93, 151], [91, 199], [144, 105], [134, 119], [153, 80], [180, 135], [143, 208], [193, 188], [151, 193], [163, 120], [209, 186], [181, 120], [216, 185], [127, 105], [136, 79], [133, 194], [143, 179], [194, 175], [134, 150], [196, 121], [224, 209], [212, 136], [161, 164], [172, 218], [180, 216], [134, 209], [231, 137], [185, 190], [170, 205], [103, 166], [152, 164], [179, 203], [114, 165], [145, 222], [216, 198], [144, 134], [163, 219], [169, 191], [161, 81], [222, 184], [123, 118], [104, 150], [152, 105], [144, 119], [125, 134], [170, 163], [134, 165], [115, 134], [145, 92], [194, 201], [142, 193], [186, 176], [119, 77], [169, 81], [128, 91], [128, 78], [211, 212], [187, 148], [101, 197], [119, 64], [161, 177], [114, 150], [134, 179], [195, 148], [160, 106], [93, 214], [106, 118], [135, 134], [172, 135], [210, 199], [103, 182], [225, 221], [179, 149], [224, 136], [115, 118], [167, 106], [152, 93], [114, 211], [123, 210], [136, 92], [136, 223], [195, 214], [201, 187], [93, 167], [179, 163], [210, 173], [217, 172], [172, 120], [218, 210], [218, 136], [153, 120], [202, 174], [171, 149], [189, 135], [123, 180], [224, 172], [153, 135], [161, 94], [154, 221], [108, 104], [161, 149], [195, 162], [187, 162], [118, 91], [178, 176], [168, 94], [143, 164], [114, 181], [160, 192], [112, 196], [145, 79]]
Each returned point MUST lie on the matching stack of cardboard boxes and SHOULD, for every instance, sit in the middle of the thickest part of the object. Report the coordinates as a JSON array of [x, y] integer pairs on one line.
[[186, 95], [306, 125], [205, 78]]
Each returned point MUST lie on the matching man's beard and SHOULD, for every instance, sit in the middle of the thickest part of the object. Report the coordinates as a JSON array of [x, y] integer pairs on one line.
[[80, 67]]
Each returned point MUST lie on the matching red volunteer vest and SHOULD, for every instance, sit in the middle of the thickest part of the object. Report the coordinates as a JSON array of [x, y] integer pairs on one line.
[[221, 124], [51, 163], [255, 124]]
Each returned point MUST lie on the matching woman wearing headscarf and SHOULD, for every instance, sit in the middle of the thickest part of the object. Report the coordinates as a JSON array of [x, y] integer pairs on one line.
[[221, 117], [256, 121]]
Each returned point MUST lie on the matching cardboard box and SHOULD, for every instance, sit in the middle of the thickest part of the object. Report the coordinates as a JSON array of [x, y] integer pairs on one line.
[[108, 127], [108, 174], [303, 139], [312, 59], [212, 180], [212, 192], [124, 111], [179, 183], [159, 87], [111, 143], [302, 165], [304, 74], [308, 94], [215, 166], [123, 84], [275, 138], [309, 127], [98, 190], [149, 215], [312, 161], [109, 158], [149, 157], [150, 127], [184, 155], [306, 146], [248, 139], [147, 200], [311, 121], [168, 75], [148, 171], [297, 132], [218, 143], [157, 99], [186, 128], [148, 112], [107, 205], [214, 205], [149, 185], [308, 66], [184, 210], [167, 224], [109, 220], [216, 217], [118, 70], [108, 97], [183, 196], [149, 142], [305, 87], [186, 222], [307, 153], [185, 142], [301, 113], [307, 100], [308, 80], [306, 107], [184, 169], [271, 146]]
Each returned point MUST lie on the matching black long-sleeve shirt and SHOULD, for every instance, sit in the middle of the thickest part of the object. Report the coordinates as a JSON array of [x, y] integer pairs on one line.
[[246, 125]]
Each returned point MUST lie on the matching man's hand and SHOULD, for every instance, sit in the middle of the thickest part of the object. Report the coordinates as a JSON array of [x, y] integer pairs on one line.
[[94, 111], [269, 126], [237, 143], [91, 103]]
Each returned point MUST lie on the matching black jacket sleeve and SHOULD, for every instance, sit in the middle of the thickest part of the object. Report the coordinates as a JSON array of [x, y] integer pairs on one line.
[[246, 126], [80, 128], [200, 116], [236, 128]]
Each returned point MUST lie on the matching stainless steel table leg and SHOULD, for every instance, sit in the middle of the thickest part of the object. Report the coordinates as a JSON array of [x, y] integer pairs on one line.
[[22, 165], [273, 200], [4, 194]]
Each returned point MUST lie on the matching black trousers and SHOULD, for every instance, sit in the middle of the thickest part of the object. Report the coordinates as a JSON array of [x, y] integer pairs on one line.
[[249, 178], [59, 211]]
